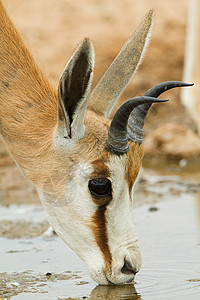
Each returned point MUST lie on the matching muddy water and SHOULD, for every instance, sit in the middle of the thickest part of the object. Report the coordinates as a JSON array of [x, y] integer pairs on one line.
[[167, 214]]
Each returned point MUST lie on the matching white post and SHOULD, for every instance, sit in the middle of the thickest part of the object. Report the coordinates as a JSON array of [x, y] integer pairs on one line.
[[191, 97]]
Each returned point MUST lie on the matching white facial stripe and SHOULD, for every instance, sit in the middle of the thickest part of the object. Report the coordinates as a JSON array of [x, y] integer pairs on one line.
[[122, 237]]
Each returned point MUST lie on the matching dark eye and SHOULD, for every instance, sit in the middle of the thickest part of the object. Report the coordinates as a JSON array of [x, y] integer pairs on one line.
[[100, 187]]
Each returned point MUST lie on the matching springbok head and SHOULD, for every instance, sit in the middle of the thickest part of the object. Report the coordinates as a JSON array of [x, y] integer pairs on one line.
[[100, 160], [83, 166]]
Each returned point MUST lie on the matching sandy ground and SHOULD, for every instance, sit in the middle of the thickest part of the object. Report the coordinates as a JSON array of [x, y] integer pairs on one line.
[[29, 282]]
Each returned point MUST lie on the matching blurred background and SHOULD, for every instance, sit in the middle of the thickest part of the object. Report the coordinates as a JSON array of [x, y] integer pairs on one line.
[[53, 29]]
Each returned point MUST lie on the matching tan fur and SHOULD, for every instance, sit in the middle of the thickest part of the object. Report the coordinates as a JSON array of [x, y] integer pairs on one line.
[[29, 119], [100, 167], [135, 156], [26, 122]]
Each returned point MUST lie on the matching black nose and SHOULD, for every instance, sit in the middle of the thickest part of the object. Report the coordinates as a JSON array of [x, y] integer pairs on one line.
[[128, 268]]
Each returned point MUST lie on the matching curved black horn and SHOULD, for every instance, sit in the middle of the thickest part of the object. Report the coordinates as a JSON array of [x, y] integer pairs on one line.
[[160, 88], [117, 141], [137, 118]]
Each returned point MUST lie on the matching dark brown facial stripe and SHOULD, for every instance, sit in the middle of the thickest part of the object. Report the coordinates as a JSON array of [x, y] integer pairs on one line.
[[98, 225], [100, 169], [101, 236]]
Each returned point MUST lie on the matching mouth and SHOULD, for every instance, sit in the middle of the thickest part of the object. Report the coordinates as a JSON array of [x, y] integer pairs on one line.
[[130, 280], [126, 282], [109, 282]]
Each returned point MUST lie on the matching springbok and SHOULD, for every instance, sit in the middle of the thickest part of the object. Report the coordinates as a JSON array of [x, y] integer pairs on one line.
[[82, 165], [190, 98]]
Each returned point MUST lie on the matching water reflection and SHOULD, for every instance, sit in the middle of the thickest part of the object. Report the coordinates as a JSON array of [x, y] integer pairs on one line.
[[110, 292]]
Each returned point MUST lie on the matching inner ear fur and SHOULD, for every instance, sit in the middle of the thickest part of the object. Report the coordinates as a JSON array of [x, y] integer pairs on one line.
[[74, 88]]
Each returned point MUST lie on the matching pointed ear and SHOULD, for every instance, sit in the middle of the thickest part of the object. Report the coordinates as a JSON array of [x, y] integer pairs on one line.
[[111, 85], [73, 92]]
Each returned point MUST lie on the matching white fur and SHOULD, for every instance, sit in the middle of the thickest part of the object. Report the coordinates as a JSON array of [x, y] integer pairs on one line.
[[71, 220], [122, 234]]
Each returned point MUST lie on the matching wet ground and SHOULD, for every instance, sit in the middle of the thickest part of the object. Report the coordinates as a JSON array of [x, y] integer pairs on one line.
[[167, 213]]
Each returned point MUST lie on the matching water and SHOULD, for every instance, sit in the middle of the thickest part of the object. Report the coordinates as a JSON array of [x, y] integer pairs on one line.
[[169, 232], [170, 240]]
